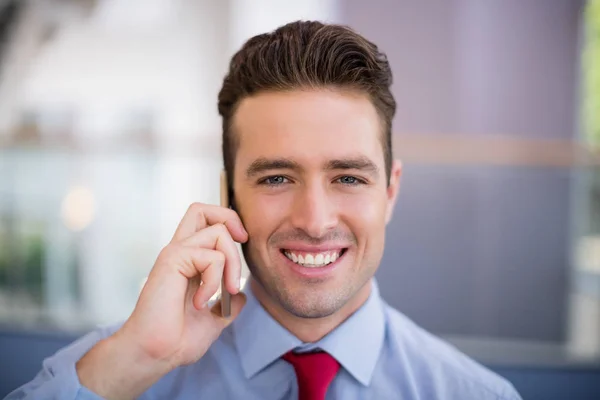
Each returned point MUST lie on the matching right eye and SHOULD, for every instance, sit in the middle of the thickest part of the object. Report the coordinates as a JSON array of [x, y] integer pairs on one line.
[[274, 180]]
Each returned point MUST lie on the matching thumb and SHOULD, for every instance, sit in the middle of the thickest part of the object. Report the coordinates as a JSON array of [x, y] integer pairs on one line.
[[238, 301]]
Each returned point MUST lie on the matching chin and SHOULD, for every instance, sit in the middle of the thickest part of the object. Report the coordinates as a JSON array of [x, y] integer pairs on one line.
[[312, 299], [311, 305]]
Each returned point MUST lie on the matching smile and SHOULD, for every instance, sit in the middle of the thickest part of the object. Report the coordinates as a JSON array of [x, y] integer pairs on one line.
[[313, 260]]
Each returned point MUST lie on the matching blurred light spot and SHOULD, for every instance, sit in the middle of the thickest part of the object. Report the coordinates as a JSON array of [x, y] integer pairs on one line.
[[78, 208], [588, 253]]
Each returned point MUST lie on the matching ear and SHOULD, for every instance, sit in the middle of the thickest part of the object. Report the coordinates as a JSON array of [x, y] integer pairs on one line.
[[392, 189]]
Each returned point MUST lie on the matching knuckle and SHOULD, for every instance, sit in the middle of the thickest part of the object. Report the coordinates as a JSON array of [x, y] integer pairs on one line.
[[169, 253], [221, 229], [166, 251], [196, 207], [219, 258]]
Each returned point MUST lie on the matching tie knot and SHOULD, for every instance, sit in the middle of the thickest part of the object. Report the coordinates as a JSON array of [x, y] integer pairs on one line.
[[314, 371]]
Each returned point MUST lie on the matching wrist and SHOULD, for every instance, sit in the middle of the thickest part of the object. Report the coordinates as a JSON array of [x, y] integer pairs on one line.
[[116, 368]]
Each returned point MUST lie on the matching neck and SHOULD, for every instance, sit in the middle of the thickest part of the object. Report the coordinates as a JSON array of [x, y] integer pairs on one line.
[[310, 330]]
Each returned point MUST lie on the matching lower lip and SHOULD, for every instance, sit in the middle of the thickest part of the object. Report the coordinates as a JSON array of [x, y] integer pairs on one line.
[[313, 272]]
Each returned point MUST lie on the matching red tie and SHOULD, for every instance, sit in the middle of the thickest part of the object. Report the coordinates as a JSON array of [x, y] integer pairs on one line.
[[314, 371]]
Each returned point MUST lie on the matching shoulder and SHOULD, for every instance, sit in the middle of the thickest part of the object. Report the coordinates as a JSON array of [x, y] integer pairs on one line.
[[442, 366]]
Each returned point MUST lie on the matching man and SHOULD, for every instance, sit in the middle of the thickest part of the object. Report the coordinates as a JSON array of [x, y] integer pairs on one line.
[[307, 119]]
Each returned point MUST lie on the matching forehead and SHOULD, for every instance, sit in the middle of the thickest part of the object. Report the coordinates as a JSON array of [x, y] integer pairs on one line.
[[307, 126]]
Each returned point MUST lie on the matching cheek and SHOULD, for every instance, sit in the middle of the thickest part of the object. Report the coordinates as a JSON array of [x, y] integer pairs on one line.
[[365, 212], [262, 214], [365, 217]]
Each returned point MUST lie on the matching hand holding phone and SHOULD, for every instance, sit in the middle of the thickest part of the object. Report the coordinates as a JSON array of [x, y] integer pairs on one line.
[[172, 324]]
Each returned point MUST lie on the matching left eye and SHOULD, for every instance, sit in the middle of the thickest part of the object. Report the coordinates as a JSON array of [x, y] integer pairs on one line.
[[348, 180]]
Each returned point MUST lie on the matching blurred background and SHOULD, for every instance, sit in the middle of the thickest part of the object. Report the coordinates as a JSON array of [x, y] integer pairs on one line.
[[109, 130]]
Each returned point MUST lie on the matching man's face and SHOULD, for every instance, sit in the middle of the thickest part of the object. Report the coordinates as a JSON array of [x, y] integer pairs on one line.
[[311, 189]]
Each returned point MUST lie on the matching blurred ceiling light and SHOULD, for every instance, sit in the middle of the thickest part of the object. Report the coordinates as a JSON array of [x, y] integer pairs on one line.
[[78, 208]]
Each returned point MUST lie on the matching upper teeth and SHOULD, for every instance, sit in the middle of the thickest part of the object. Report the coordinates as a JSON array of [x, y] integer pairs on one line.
[[313, 259]]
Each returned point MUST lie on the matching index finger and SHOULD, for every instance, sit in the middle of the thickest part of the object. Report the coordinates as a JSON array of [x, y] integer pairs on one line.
[[198, 216]]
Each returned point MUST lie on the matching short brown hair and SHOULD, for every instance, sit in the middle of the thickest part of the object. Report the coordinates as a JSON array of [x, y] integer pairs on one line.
[[304, 55]]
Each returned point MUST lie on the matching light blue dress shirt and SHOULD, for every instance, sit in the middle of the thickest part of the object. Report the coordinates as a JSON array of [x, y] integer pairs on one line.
[[383, 355]]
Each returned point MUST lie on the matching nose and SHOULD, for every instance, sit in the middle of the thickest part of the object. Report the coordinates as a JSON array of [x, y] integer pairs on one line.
[[314, 211]]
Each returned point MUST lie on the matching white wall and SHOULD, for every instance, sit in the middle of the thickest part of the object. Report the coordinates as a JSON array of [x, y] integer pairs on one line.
[[164, 58]]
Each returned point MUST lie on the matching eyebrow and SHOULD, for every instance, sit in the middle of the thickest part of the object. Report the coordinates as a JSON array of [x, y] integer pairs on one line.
[[262, 164], [360, 163]]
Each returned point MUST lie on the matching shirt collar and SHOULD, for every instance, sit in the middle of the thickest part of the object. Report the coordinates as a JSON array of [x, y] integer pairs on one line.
[[355, 344], [259, 339]]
